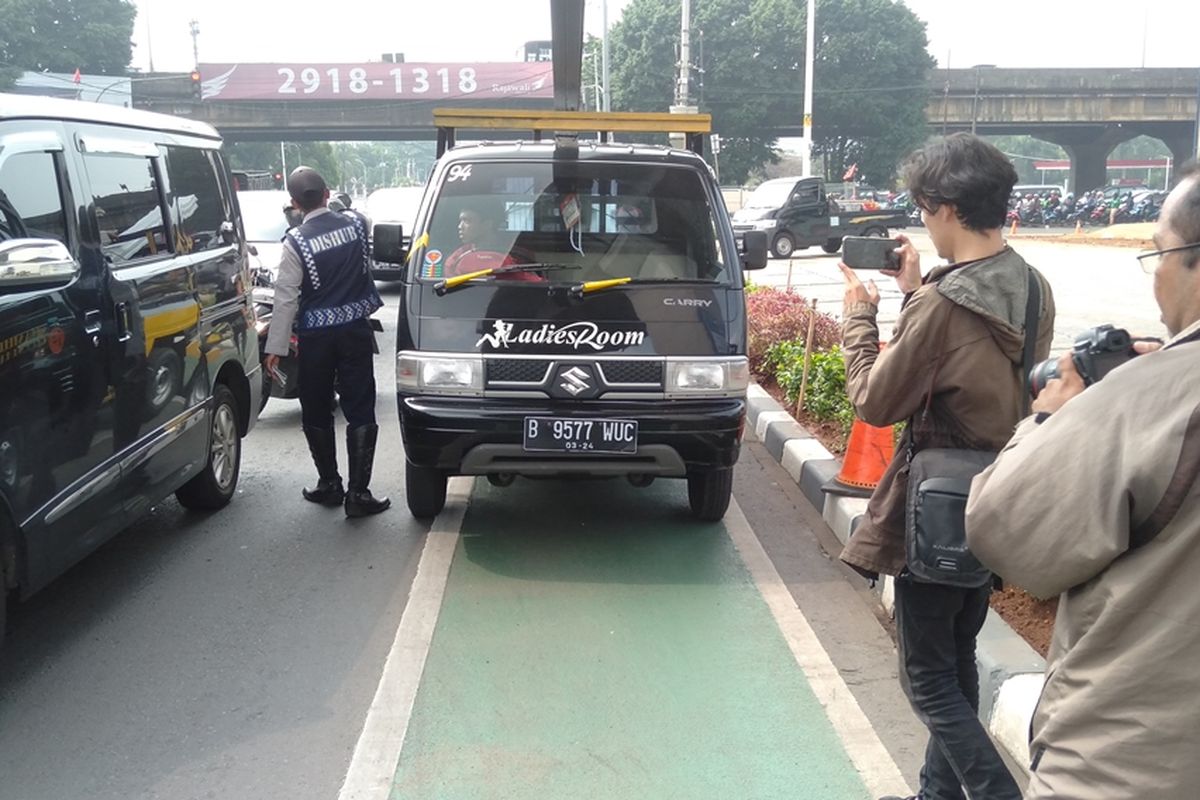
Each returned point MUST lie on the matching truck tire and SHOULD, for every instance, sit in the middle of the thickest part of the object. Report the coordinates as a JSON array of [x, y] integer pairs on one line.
[[424, 490], [709, 493], [876, 231], [832, 246], [783, 246], [214, 486]]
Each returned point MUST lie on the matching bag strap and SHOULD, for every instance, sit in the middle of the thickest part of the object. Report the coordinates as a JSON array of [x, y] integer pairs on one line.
[[1033, 308]]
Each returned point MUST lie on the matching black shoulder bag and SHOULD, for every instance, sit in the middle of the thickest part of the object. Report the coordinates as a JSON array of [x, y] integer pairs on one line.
[[939, 480]]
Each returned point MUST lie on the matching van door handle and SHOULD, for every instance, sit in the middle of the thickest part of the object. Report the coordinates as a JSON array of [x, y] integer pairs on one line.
[[92, 323], [121, 312]]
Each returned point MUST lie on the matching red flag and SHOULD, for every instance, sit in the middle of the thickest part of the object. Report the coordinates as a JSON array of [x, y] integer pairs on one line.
[[77, 77], [850, 173]]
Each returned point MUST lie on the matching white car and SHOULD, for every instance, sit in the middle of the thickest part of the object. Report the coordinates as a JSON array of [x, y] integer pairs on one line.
[[394, 205], [265, 223]]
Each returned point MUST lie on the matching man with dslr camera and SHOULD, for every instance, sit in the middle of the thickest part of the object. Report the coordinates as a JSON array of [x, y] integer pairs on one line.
[[953, 370], [1095, 500]]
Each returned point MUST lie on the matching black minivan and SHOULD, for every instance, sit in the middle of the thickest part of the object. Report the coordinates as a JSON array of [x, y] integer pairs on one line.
[[572, 309], [128, 359]]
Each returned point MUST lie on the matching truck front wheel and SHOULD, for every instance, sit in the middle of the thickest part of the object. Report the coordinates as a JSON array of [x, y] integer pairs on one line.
[[832, 246], [425, 490], [879, 232], [783, 246], [709, 493]]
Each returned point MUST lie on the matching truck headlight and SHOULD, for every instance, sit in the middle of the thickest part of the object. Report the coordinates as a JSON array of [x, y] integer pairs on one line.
[[719, 377], [439, 374], [766, 224]]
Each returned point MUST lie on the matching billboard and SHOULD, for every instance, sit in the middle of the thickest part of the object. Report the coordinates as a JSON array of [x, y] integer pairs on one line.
[[376, 81]]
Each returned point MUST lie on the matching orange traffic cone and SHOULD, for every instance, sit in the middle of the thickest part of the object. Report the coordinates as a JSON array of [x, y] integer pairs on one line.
[[1013, 229], [1078, 227], [868, 454]]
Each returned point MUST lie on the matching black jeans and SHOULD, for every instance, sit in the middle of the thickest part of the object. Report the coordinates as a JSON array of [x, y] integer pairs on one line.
[[936, 628], [343, 356]]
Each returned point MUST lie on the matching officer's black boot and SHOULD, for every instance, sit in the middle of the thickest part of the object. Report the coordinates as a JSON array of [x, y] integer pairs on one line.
[[360, 442], [322, 443]]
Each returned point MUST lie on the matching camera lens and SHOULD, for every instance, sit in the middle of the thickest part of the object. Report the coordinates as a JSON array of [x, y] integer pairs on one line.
[[1041, 374]]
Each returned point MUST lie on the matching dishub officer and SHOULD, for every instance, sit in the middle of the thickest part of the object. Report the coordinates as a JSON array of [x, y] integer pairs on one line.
[[324, 285]]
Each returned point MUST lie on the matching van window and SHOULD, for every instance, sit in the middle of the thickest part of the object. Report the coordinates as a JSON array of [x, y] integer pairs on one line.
[[31, 204], [196, 202], [128, 207], [640, 221]]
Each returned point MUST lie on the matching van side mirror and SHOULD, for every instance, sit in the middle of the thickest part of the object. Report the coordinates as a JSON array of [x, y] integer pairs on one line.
[[29, 263], [754, 249], [387, 243]]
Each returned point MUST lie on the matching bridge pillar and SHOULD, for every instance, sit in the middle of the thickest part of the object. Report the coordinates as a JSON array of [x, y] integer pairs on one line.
[[1183, 149], [1088, 148]]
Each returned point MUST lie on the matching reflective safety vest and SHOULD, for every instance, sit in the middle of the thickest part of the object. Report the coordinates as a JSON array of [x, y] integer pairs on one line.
[[337, 286]]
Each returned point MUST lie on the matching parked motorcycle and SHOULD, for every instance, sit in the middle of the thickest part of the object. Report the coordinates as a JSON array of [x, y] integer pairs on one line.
[[285, 383]]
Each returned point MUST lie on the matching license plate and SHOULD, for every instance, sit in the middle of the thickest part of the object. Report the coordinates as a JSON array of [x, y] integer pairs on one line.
[[557, 434]]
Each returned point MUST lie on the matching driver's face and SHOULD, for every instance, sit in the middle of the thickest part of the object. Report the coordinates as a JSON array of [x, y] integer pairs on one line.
[[470, 227]]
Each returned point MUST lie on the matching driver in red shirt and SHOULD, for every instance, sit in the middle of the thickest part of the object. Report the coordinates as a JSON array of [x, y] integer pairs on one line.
[[484, 247]]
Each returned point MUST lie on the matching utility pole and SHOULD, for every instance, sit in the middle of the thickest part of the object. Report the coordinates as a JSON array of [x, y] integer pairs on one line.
[[149, 36], [604, 53], [194, 27], [685, 55], [682, 106], [809, 46]]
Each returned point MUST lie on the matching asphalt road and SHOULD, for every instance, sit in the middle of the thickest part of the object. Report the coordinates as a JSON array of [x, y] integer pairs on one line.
[[236, 655]]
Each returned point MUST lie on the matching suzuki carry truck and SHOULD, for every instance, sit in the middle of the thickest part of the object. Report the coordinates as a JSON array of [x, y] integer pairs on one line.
[[572, 308]]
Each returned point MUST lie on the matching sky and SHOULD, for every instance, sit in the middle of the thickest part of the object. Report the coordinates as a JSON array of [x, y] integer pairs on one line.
[[1007, 33]]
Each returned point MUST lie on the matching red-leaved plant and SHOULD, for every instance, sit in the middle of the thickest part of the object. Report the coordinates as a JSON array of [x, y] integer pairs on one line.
[[775, 315]]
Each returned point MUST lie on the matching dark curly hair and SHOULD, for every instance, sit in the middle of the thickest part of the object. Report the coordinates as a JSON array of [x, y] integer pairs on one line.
[[966, 172]]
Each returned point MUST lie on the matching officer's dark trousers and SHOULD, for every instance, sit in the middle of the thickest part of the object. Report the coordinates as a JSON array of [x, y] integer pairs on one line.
[[341, 356], [936, 628]]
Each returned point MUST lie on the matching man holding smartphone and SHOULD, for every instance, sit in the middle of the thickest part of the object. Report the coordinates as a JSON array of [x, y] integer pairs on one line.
[[952, 370]]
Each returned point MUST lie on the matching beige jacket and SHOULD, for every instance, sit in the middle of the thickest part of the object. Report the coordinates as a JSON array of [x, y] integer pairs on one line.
[[971, 317], [1099, 504]]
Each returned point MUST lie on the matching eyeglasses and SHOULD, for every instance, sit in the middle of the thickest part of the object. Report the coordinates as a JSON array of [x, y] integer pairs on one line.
[[1151, 260]]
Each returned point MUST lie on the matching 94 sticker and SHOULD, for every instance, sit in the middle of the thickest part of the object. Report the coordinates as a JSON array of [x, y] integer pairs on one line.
[[458, 172]]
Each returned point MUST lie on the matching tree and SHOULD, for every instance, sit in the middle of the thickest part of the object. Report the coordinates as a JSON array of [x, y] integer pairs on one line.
[[265, 155], [64, 35], [871, 77]]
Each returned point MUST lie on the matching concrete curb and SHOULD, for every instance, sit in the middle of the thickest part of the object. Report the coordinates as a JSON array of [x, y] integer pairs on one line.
[[1010, 671]]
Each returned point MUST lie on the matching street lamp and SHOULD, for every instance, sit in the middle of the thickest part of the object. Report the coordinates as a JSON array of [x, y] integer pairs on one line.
[[975, 103]]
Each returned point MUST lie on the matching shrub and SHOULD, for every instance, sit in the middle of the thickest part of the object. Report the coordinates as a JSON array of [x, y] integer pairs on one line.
[[774, 316], [825, 397]]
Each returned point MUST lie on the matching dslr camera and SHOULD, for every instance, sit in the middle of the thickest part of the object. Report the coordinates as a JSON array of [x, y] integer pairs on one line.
[[1097, 352]]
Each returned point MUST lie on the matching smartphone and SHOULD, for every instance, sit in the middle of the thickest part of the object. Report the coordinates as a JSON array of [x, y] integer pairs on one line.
[[870, 252]]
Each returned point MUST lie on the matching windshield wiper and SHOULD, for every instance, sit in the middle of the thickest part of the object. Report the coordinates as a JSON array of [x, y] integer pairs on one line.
[[443, 286], [587, 287]]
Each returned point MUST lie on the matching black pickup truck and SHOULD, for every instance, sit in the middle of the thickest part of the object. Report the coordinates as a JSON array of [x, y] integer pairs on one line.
[[796, 213]]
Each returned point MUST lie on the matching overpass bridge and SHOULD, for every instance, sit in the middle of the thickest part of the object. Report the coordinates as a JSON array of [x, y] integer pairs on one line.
[[1087, 112]]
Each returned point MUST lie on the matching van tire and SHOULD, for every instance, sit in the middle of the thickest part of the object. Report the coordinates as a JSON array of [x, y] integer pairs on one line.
[[215, 485], [709, 493], [783, 245], [832, 245], [424, 490]]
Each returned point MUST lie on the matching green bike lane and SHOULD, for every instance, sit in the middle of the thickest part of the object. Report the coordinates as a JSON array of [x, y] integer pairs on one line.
[[592, 641]]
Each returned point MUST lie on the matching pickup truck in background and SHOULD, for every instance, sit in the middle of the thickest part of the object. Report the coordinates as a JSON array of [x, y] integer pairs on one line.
[[796, 213]]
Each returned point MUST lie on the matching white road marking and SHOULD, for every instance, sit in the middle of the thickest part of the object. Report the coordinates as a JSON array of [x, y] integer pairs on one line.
[[872, 760], [377, 754]]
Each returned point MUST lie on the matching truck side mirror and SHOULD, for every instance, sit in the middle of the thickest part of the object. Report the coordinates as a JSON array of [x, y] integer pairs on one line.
[[754, 249], [387, 244]]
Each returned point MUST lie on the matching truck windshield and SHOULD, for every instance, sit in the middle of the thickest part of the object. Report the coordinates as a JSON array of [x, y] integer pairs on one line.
[[771, 194], [603, 219]]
